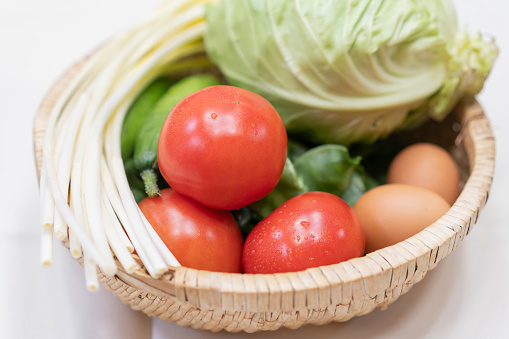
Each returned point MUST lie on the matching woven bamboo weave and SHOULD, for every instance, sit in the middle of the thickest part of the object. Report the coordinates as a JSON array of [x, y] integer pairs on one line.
[[244, 302]]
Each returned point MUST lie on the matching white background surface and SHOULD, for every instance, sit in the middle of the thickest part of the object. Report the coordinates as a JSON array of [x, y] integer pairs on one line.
[[464, 297]]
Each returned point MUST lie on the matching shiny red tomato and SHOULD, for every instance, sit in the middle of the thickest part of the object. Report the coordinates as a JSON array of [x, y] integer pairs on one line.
[[223, 146], [199, 237], [310, 230]]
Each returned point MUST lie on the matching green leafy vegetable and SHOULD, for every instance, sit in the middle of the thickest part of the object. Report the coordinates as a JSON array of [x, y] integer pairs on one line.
[[288, 186], [348, 71], [360, 183], [327, 168]]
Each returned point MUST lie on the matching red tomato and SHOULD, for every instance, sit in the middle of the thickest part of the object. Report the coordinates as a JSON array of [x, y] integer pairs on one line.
[[310, 230], [199, 237], [223, 146]]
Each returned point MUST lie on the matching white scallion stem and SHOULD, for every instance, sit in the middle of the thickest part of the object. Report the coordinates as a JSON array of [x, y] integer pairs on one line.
[[60, 227], [157, 33], [112, 224], [125, 239], [74, 246], [46, 246], [89, 264], [117, 203], [75, 205], [65, 160], [91, 275], [64, 209], [146, 250], [113, 198], [78, 80], [93, 201], [46, 201], [59, 198]]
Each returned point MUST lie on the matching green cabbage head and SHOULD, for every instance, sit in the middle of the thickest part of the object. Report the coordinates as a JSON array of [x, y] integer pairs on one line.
[[345, 71]]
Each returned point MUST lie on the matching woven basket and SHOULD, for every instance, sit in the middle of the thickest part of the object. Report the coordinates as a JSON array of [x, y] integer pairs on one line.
[[245, 302]]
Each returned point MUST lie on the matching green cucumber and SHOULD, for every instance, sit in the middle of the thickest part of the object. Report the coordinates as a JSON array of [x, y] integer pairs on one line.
[[138, 113], [145, 146]]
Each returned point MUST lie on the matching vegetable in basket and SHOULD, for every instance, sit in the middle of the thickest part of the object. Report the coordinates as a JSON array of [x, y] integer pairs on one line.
[[133, 178], [137, 114], [309, 230], [199, 237], [348, 71], [223, 146]]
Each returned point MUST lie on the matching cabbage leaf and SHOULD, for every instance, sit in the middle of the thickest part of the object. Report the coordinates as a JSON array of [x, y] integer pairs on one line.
[[348, 71]]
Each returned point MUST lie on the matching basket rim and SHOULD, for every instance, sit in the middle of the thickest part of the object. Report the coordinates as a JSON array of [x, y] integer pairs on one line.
[[364, 273]]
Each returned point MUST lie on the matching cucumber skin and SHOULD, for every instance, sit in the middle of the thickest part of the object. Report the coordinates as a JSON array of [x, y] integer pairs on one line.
[[145, 147], [134, 180], [139, 194], [139, 111]]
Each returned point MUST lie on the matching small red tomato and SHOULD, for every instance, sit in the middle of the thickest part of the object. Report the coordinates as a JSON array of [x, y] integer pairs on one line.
[[223, 146], [310, 230], [199, 237]]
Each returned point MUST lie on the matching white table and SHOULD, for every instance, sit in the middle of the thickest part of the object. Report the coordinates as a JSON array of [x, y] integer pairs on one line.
[[464, 297]]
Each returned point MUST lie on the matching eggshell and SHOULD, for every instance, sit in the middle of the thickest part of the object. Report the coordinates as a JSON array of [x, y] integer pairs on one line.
[[428, 166], [394, 212]]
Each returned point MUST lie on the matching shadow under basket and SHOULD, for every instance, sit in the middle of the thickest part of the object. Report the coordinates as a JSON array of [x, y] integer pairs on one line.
[[246, 302]]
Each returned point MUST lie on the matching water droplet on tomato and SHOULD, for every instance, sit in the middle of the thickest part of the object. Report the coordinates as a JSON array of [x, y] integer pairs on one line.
[[305, 224], [213, 115], [297, 238], [278, 252], [255, 132], [290, 254]]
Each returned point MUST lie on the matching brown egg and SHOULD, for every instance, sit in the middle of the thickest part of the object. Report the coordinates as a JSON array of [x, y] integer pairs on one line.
[[394, 212], [429, 166]]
